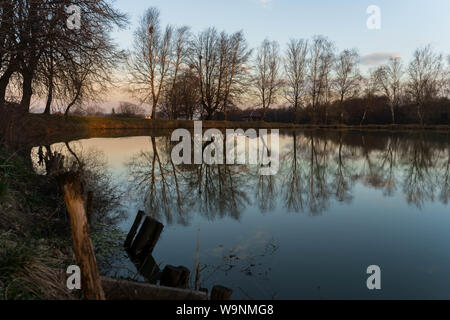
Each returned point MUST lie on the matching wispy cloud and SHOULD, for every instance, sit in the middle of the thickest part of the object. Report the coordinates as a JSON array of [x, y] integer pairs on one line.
[[378, 58], [265, 3]]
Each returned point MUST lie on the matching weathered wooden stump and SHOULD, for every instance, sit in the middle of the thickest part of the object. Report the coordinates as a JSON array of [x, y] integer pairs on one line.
[[146, 239], [221, 293], [72, 188], [148, 268], [177, 277]]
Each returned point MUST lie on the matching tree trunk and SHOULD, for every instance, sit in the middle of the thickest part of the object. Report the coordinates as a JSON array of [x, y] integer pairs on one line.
[[363, 117], [72, 103], [419, 113], [4, 81], [49, 97], [393, 114], [27, 90], [154, 110]]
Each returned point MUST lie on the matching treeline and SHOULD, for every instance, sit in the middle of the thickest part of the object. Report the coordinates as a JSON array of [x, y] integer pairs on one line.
[[210, 74], [177, 74]]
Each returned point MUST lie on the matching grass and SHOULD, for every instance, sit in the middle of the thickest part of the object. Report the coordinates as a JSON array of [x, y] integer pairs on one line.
[[35, 236], [29, 270], [35, 247]]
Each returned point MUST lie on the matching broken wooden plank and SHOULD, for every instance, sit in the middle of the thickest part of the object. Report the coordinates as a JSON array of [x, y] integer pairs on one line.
[[133, 230], [146, 239], [72, 188], [128, 290]]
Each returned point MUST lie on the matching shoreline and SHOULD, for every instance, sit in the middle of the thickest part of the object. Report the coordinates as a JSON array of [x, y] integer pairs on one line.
[[33, 127]]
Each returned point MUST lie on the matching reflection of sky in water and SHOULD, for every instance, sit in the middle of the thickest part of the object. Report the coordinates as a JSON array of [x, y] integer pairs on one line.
[[338, 205]]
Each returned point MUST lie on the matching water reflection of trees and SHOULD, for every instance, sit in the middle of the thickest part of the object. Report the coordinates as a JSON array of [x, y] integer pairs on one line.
[[172, 193], [316, 168]]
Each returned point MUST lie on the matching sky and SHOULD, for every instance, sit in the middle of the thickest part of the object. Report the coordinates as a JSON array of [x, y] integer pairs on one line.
[[405, 24]]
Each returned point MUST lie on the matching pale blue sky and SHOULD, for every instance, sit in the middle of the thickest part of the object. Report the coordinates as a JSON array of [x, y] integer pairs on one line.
[[406, 24]]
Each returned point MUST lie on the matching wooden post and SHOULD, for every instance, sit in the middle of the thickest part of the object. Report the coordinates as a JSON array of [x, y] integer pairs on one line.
[[147, 267], [133, 230], [177, 277], [221, 293], [74, 198], [147, 237]]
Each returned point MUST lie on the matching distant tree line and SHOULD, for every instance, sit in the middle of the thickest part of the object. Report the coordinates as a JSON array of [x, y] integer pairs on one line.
[[208, 75]]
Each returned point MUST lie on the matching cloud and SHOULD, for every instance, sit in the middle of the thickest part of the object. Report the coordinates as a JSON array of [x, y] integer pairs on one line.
[[265, 3], [378, 58]]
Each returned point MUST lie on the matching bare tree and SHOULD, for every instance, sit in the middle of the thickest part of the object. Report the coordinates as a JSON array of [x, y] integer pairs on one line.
[[220, 63], [182, 100], [35, 33], [267, 79], [181, 50], [389, 81], [150, 60], [296, 72], [236, 69], [369, 91], [347, 74], [321, 57], [425, 78]]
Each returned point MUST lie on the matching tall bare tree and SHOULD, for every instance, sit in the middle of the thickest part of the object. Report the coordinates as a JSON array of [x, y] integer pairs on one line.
[[347, 75], [296, 72], [180, 52], [183, 98], [426, 78], [321, 57], [370, 88], [151, 58], [220, 63], [236, 70], [389, 79], [267, 79]]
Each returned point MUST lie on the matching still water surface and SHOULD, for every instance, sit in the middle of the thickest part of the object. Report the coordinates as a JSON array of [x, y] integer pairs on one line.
[[339, 203]]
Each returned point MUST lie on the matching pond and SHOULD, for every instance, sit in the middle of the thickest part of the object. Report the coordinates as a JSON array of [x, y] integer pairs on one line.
[[340, 202]]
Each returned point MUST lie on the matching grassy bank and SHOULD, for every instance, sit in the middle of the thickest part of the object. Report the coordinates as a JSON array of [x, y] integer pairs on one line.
[[35, 126], [35, 246], [35, 234]]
